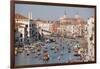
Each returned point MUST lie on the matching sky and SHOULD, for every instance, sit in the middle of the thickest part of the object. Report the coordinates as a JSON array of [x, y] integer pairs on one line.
[[52, 12]]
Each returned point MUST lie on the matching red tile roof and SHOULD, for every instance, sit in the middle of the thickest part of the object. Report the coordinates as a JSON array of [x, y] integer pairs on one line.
[[19, 16], [19, 25]]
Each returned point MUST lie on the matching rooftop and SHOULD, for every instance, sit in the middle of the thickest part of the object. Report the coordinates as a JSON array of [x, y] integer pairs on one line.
[[19, 16]]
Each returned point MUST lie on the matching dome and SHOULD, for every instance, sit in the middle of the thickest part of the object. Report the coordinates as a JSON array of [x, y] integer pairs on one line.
[[63, 17], [77, 16]]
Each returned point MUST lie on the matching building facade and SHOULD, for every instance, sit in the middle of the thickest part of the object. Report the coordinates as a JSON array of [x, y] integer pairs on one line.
[[72, 27], [90, 38], [24, 26], [43, 26]]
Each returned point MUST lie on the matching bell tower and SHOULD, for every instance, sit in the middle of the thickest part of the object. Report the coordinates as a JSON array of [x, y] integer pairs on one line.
[[30, 15]]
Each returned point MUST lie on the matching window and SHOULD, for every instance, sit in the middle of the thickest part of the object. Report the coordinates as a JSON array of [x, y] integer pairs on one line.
[[20, 35], [26, 26], [30, 25], [21, 40]]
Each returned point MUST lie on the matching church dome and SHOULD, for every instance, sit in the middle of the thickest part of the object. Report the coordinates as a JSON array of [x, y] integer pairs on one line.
[[63, 17], [78, 16]]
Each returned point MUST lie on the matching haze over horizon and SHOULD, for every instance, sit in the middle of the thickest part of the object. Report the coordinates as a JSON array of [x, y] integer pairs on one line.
[[53, 12]]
